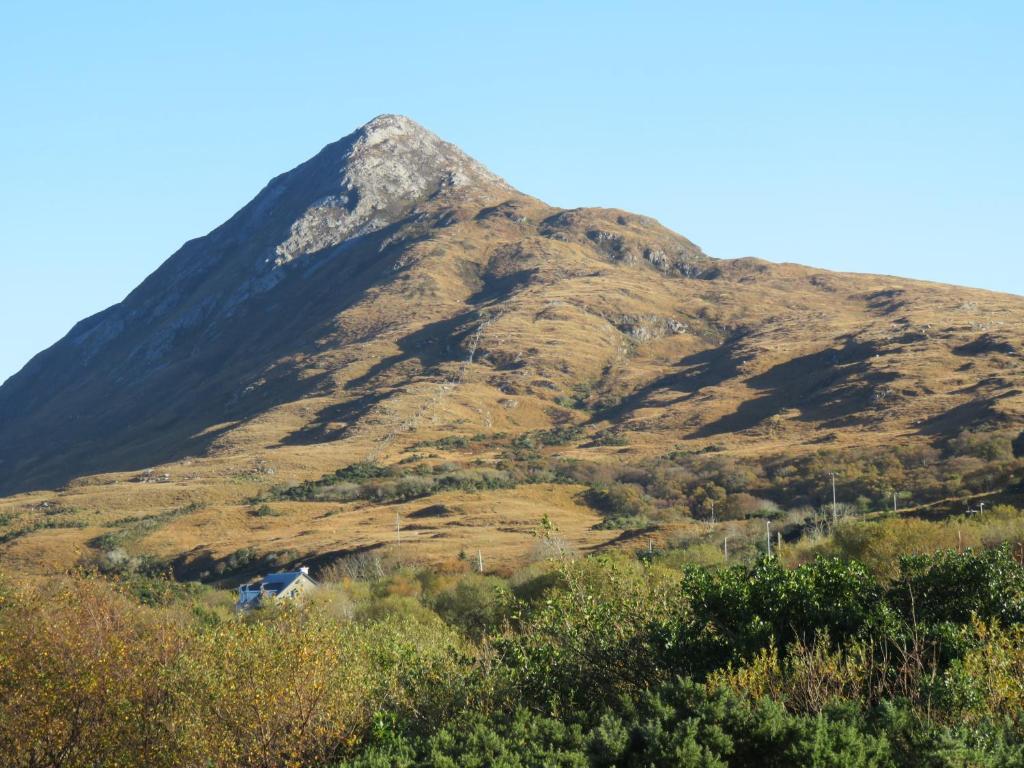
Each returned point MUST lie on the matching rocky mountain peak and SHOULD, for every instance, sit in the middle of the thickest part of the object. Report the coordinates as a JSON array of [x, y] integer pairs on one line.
[[379, 174], [395, 128]]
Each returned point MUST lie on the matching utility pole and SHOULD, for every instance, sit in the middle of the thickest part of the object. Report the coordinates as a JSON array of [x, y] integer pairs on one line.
[[768, 527], [725, 547], [479, 561], [835, 506], [650, 546], [895, 509]]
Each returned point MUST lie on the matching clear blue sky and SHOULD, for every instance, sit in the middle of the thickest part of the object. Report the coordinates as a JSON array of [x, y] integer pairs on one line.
[[865, 136]]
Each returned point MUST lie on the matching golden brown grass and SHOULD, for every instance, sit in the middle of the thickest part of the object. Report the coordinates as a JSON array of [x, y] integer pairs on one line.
[[764, 359]]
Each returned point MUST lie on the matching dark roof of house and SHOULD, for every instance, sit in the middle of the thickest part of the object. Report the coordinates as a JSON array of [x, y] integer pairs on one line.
[[278, 582]]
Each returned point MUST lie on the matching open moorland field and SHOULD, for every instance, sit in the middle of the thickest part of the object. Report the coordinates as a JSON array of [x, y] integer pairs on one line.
[[225, 519]]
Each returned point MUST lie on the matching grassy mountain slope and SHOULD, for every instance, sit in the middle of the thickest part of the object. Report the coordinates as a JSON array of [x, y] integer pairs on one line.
[[391, 300]]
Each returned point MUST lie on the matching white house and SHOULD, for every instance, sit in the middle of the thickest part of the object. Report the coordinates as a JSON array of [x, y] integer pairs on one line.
[[289, 585]]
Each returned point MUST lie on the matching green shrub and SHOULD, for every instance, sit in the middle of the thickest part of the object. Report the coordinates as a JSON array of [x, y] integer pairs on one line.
[[264, 510], [736, 612], [985, 445], [597, 662], [622, 505], [476, 604], [951, 587]]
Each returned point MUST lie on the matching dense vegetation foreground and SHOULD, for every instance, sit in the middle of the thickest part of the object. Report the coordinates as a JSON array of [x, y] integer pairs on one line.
[[601, 661]]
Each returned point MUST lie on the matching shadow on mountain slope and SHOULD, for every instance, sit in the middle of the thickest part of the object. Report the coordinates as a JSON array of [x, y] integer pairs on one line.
[[435, 343], [830, 386], [180, 408], [707, 368]]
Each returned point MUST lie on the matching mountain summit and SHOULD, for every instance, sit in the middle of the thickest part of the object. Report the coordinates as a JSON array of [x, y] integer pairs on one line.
[[392, 288], [389, 172], [373, 178]]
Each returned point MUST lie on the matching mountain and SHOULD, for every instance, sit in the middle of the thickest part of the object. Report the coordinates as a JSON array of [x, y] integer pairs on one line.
[[391, 291], [233, 322]]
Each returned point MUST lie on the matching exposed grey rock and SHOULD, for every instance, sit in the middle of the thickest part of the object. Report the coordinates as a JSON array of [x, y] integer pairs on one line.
[[643, 328], [356, 186], [393, 164]]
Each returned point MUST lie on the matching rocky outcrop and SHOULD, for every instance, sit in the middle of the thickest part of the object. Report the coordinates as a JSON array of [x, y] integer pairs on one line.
[[643, 328], [392, 164]]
